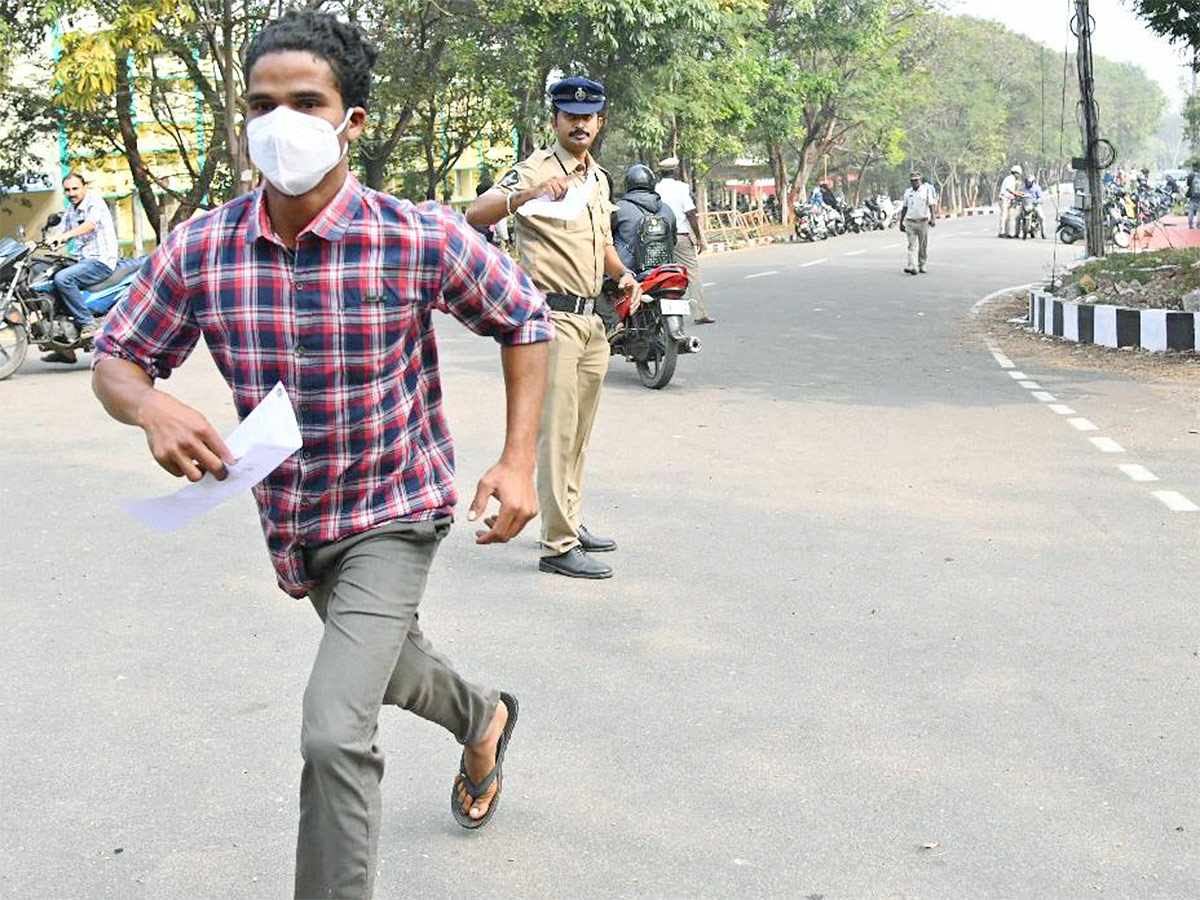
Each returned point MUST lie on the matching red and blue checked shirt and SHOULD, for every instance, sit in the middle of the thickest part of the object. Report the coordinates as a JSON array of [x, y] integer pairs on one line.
[[344, 321]]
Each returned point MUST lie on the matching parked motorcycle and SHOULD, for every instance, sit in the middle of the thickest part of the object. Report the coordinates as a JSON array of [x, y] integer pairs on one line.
[[810, 223], [857, 219], [835, 222], [32, 311], [652, 338], [1072, 226]]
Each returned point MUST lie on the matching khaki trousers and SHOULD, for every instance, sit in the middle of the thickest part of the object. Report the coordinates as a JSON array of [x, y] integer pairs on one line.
[[578, 360], [686, 256], [372, 652], [918, 241]]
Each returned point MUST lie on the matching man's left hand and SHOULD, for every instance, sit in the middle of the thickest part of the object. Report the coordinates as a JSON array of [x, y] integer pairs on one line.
[[629, 285], [512, 485], [932, 223]]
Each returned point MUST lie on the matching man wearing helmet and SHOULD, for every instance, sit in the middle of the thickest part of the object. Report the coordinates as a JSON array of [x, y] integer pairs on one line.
[[1008, 193], [641, 242]]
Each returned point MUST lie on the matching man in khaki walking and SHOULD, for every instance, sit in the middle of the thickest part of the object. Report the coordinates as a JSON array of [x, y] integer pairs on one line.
[[566, 248], [917, 215]]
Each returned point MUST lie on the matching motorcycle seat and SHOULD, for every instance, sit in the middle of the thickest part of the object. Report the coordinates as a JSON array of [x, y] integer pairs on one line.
[[125, 268]]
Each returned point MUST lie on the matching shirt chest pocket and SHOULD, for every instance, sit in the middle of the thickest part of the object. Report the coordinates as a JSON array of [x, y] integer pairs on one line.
[[376, 327]]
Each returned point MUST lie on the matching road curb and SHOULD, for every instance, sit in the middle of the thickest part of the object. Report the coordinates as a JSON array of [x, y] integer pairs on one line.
[[1155, 330]]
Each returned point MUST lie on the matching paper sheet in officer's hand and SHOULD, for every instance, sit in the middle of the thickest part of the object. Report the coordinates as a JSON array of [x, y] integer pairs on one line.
[[264, 439], [569, 208]]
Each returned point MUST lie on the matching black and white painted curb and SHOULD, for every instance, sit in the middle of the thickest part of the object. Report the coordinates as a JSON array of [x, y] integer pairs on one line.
[[1113, 326]]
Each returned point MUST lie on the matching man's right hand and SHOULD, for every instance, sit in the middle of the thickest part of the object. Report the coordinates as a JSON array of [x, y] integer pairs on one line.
[[555, 188], [181, 440]]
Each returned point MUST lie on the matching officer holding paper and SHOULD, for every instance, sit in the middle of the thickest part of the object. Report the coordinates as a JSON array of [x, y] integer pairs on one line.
[[565, 245]]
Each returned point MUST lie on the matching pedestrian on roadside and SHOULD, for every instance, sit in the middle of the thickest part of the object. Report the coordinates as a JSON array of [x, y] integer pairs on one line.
[[1193, 195], [918, 213], [326, 286], [89, 223], [690, 244], [567, 259], [1008, 208]]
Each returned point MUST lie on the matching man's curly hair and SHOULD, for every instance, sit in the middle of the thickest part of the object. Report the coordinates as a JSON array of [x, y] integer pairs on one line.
[[340, 44]]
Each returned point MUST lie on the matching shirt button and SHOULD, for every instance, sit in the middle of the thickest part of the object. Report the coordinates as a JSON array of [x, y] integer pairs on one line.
[[306, 454], [300, 350], [305, 407], [299, 285]]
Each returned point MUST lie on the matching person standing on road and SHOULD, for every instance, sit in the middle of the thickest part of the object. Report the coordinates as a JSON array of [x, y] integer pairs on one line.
[[90, 223], [316, 282], [690, 236], [567, 258], [1008, 193], [1193, 195], [918, 213]]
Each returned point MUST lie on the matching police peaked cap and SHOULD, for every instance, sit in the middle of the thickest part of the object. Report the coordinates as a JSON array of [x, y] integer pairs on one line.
[[578, 95]]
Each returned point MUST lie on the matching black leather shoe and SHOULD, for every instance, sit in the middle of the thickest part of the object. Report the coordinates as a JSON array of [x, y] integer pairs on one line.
[[59, 356], [592, 544], [575, 564]]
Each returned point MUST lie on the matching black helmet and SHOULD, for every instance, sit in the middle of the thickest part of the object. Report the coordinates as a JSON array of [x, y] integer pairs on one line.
[[639, 178]]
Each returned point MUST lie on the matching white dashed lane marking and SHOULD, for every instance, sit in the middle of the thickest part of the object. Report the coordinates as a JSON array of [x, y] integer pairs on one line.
[[1175, 501], [761, 274], [708, 284], [1172, 500], [814, 262], [1137, 473], [892, 246], [1031, 385], [855, 252], [1107, 445]]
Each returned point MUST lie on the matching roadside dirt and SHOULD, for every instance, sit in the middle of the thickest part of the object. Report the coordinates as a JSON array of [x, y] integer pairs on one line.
[[1177, 374]]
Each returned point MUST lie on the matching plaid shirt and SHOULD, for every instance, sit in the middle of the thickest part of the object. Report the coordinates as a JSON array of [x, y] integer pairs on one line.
[[100, 243], [344, 321]]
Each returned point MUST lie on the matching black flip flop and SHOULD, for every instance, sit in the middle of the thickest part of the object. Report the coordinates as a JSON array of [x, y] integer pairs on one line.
[[475, 791]]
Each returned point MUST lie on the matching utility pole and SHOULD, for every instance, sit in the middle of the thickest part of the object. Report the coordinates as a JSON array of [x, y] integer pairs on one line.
[[1091, 131]]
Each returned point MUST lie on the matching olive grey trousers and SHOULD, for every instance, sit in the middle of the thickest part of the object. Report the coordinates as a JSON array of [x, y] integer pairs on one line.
[[372, 652]]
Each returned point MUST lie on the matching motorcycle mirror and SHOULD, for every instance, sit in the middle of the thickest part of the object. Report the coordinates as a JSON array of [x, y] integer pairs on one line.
[[53, 219], [21, 232]]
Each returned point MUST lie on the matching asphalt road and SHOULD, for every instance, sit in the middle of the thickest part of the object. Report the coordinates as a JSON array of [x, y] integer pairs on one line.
[[885, 624]]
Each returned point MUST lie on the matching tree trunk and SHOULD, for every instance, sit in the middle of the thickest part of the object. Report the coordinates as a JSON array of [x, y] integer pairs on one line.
[[779, 174], [192, 199], [137, 167]]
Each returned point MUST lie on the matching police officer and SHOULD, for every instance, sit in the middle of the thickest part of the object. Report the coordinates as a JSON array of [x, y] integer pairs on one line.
[[567, 258]]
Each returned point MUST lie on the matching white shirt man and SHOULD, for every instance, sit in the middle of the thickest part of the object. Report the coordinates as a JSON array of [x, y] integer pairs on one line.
[[918, 213], [1008, 190], [690, 238]]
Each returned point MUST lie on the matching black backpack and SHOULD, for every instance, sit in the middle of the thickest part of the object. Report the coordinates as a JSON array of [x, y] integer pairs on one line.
[[655, 243], [1193, 186]]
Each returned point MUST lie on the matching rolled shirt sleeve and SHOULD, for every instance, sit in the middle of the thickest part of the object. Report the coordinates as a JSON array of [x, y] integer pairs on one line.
[[486, 291], [153, 326]]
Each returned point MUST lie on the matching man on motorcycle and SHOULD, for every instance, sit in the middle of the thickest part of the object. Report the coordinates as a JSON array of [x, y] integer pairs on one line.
[[644, 227], [1034, 192], [90, 223]]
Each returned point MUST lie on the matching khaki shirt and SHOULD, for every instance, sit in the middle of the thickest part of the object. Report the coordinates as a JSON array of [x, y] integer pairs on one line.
[[561, 256]]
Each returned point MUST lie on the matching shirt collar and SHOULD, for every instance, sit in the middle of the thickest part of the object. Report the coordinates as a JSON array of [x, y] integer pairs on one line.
[[330, 223], [569, 162]]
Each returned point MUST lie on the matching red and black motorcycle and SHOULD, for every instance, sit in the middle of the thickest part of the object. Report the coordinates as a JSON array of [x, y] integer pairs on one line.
[[652, 338]]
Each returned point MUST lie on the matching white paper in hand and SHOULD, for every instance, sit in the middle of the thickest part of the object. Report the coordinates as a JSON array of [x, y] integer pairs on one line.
[[569, 208], [266, 437]]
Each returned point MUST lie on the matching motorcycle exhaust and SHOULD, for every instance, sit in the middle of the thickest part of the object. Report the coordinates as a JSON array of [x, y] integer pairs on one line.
[[690, 345]]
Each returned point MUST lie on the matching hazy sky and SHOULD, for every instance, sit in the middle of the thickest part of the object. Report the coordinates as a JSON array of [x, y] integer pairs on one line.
[[1119, 34]]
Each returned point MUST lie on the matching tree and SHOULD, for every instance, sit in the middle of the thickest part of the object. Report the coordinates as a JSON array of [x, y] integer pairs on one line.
[[1174, 21], [26, 111]]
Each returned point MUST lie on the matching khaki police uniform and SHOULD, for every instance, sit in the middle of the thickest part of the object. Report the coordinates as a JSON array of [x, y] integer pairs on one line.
[[565, 259]]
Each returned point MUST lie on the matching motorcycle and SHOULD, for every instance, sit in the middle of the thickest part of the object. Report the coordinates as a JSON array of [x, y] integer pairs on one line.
[[1030, 221], [835, 222], [1072, 226], [31, 310], [858, 219], [652, 338], [810, 223]]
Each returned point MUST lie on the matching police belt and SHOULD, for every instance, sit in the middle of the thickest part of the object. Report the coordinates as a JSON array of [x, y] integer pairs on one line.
[[569, 303]]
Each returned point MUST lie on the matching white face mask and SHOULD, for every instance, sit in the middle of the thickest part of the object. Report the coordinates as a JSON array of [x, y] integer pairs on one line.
[[294, 151]]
